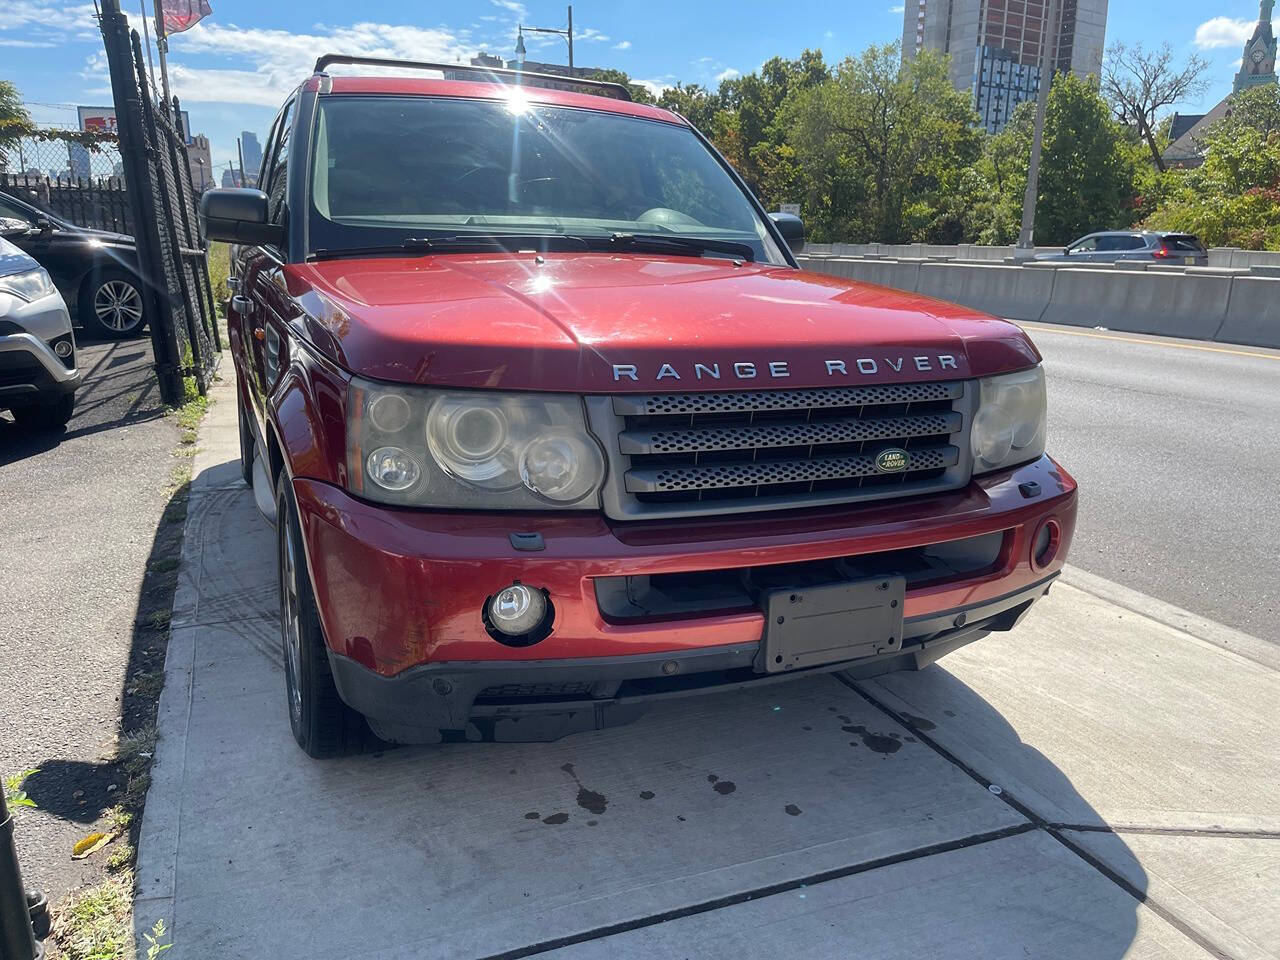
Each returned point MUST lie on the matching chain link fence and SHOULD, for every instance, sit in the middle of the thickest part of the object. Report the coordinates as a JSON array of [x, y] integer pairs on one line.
[[163, 206], [76, 177]]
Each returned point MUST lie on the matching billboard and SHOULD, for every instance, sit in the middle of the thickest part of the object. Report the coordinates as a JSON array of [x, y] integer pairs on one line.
[[103, 120]]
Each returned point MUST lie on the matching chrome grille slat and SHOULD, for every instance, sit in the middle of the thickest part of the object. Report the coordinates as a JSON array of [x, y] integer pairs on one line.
[[755, 401], [808, 432], [757, 473]]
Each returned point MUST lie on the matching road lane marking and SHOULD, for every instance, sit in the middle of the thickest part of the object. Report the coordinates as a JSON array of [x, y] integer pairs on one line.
[[1150, 342]]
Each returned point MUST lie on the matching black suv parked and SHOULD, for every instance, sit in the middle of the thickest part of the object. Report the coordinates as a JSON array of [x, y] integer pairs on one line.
[[95, 271]]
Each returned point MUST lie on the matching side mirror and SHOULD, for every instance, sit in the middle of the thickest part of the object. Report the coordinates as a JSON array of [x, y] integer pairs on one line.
[[1066, 251], [43, 226], [792, 229], [12, 227], [238, 215]]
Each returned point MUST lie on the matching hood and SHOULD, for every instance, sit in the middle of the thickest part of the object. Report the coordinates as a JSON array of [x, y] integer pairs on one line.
[[100, 236], [609, 323]]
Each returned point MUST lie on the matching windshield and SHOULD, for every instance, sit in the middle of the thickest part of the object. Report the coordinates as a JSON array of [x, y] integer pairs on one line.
[[388, 168]]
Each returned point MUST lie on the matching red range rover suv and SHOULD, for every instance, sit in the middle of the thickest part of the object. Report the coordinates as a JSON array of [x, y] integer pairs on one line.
[[551, 427]]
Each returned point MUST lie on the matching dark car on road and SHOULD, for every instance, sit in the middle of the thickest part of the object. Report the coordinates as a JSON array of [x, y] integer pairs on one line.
[[1111, 245], [95, 270]]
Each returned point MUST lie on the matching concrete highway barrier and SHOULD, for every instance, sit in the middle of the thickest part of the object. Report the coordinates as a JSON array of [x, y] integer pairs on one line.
[[1170, 304], [1252, 316], [1231, 304], [1004, 291]]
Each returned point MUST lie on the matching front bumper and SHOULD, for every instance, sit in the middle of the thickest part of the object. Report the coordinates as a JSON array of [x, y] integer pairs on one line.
[[401, 592], [28, 365]]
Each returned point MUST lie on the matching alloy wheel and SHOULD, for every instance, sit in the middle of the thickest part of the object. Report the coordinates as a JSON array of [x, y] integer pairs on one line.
[[290, 626], [118, 305]]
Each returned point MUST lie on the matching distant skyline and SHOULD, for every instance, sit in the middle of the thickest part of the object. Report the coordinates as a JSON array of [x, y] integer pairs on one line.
[[233, 70]]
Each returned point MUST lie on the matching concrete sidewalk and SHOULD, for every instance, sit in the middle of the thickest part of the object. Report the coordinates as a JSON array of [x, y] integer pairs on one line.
[[1096, 784]]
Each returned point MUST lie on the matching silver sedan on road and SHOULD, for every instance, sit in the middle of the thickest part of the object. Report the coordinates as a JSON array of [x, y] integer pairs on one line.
[[1108, 246]]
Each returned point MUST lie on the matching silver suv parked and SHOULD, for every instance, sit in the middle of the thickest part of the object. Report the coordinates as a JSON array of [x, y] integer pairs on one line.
[[38, 373], [1109, 246]]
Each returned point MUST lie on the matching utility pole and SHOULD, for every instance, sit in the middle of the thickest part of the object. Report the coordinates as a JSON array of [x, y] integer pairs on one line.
[[1052, 31], [521, 30], [162, 45]]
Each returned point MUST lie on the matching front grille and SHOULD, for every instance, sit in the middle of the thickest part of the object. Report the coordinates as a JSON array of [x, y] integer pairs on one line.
[[706, 453]]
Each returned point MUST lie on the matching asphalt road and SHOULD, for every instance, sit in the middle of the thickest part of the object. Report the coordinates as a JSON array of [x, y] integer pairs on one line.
[[1176, 445], [79, 515]]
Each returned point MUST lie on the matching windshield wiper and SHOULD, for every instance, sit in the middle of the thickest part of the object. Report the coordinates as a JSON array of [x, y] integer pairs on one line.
[[456, 243], [697, 244]]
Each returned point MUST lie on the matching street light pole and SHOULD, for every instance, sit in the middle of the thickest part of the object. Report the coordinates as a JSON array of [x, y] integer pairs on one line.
[[1052, 30], [521, 30]]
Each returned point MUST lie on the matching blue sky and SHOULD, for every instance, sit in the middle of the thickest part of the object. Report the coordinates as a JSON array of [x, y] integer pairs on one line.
[[233, 70]]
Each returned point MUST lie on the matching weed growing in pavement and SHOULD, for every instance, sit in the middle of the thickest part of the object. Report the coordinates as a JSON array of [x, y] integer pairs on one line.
[[164, 564], [159, 619], [153, 938], [14, 795], [97, 924]]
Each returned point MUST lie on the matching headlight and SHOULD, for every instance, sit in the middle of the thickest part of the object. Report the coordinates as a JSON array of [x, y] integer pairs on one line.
[[28, 286], [491, 451], [1009, 426]]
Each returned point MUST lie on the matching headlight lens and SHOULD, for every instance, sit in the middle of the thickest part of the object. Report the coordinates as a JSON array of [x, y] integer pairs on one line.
[[1009, 426], [495, 451], [28, 286]]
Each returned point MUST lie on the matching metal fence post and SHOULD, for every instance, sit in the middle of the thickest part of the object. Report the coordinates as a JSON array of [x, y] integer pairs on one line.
[[17, 939], [136, 154]]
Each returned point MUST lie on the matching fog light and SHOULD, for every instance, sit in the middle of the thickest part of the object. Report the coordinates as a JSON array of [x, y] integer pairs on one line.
[[1044, 545], [517, 611], [62, 348]]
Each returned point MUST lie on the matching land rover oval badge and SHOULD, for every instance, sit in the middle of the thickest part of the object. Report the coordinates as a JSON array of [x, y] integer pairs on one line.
[[893, 460]]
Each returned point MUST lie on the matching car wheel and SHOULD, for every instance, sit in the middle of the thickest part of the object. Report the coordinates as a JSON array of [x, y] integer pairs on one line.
[[49, 415], [111, 304], [322, 724], [246, 445]]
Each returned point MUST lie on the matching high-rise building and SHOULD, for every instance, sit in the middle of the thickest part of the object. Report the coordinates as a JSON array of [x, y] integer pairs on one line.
[[201, 162], [995, 45], [252, 151]]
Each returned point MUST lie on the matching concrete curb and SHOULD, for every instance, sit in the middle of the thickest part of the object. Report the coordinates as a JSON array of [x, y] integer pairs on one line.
[[159, 834]]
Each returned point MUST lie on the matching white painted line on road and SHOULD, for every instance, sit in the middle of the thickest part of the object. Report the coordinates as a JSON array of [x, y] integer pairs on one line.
[[1149, 341], [1192, 626]]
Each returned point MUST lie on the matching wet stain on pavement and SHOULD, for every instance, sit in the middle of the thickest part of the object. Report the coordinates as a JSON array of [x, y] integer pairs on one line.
[[792, 810], [725, 787], [592, 823], [921, 722], [806, 728], [588, 800], [875, 741], [533, 815], [843, 719], [646, 794], [949, 713], [556, 819], [681, 819]]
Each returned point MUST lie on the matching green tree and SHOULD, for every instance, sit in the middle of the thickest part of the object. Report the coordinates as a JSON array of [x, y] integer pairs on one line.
[[695, 103], [883, 144], [14, 119], [639, 92], [1086, 175]]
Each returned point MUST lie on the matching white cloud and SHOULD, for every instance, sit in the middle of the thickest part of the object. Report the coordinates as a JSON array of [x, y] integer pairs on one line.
[[1223, 32], [46, 22], [727, 74], [511, 5], [828, 35], [270, 63], [622, 45], [590, 35], [897, 9], [656, 87]]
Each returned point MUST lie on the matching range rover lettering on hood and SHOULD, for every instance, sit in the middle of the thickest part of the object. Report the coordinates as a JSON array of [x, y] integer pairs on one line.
[[781, 369]]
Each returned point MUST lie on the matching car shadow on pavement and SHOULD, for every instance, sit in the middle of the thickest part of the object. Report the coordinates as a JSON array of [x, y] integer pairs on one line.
[[891, 842], [119, 390], [106, 793]]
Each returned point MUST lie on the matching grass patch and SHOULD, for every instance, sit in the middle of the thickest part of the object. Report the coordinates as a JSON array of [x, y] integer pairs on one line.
[[159, 619], [14, 795], [164, 564], [98, 923], [219, 270]]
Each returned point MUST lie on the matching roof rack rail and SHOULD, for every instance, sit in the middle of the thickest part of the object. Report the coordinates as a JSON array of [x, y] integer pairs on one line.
[[606, 88]]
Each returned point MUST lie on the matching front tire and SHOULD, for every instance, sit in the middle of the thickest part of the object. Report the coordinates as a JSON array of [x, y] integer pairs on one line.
[[48, 415], [111, 304], [322, 723]]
